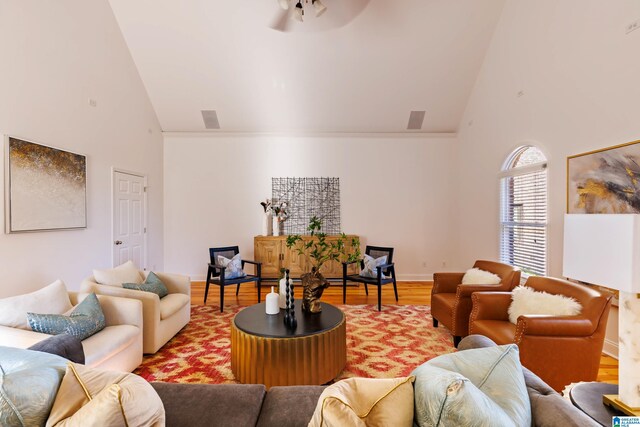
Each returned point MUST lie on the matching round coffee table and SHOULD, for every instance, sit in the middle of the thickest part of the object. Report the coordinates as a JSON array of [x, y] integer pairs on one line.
[[263, 351]]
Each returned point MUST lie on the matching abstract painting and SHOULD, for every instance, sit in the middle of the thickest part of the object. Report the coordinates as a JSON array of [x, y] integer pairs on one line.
[[306, 198], [46, 188], [605, 181]]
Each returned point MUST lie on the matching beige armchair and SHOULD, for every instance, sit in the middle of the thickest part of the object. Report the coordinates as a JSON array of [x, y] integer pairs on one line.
[[162, 318]]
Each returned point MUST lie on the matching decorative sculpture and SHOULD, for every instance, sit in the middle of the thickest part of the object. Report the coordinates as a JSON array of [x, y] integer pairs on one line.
[[313, 285], [290, 310]]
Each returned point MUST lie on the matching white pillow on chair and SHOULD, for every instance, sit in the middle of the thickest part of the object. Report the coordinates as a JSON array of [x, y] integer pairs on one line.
[[53, 299], [125, 273], [370, 265], [233, 266]]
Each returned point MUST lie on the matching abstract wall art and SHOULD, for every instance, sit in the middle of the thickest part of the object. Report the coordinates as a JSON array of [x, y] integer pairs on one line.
[[306, 198], [45, 188], [605, 181]]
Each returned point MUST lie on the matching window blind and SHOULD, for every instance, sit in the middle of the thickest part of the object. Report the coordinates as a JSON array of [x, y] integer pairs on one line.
[[523, 222]]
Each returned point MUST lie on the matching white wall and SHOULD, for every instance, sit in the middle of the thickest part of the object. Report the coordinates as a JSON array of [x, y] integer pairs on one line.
[[395, 191], [579, 74], [56, 55]]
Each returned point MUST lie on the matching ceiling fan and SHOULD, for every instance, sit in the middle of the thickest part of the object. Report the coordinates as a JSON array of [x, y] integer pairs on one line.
[[293, 11]]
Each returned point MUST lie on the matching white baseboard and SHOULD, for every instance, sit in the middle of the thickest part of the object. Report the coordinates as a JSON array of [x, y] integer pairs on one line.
[[401, 277], [415, 277], [610, 348]]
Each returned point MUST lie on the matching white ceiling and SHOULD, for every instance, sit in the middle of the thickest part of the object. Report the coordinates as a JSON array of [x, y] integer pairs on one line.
[[364, 76]]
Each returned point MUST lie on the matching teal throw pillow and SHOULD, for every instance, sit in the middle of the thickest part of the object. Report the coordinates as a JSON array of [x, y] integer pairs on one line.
[[477, 387], [151, 284], [29, 382], [85, 320]]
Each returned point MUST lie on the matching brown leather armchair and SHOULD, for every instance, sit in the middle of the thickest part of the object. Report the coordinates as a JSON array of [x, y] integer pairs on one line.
[[559, 349], [451, 301]]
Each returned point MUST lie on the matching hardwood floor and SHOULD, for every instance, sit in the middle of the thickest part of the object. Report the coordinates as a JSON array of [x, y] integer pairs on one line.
[[410, 293]]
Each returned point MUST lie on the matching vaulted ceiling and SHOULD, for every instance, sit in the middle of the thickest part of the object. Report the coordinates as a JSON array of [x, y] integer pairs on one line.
[[360, 67]]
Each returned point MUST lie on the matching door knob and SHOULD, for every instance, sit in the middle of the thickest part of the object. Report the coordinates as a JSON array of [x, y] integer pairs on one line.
[[118, 242]]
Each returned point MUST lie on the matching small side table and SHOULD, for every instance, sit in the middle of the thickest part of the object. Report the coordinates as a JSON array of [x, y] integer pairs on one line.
[[588, 398]]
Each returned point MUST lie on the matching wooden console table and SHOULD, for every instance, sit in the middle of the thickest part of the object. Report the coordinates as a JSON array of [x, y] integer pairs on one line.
[[273, 253]]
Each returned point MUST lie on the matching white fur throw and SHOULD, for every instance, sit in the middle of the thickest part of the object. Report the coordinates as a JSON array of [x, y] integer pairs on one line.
[[525, 301], [475, 276]]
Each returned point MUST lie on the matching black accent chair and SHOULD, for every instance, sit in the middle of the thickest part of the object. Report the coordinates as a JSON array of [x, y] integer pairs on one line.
[[215, 273], [387, 269]]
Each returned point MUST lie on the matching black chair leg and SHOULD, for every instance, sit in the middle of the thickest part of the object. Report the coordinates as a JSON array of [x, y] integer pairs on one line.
[[344, 290], [366, 289], [221, 297], [259, 289], [238, 289], [435, 322], [379, 297], [206, 291], [456, 341], [395, 288]]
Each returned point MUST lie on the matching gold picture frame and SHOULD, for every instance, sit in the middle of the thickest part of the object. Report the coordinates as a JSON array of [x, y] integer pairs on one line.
[[605, 180], [45, 187]]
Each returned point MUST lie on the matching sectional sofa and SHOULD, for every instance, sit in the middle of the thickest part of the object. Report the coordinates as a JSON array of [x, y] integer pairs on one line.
[[117, 347]]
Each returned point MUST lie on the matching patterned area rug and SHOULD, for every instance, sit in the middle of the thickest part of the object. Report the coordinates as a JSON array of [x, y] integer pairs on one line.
[[383, 344]]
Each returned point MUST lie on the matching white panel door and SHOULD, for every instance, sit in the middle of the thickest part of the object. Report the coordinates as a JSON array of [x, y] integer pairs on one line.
[[129, 219]]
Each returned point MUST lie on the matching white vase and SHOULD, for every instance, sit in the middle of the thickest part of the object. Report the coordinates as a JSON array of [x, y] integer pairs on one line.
[[267, 221], [272, 303], [276, 226]]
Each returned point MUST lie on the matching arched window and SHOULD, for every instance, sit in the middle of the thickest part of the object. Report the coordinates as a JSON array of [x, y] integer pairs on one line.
[[523, 211]]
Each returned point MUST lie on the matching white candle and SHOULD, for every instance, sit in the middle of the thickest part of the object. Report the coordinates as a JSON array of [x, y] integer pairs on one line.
[[272, 303]]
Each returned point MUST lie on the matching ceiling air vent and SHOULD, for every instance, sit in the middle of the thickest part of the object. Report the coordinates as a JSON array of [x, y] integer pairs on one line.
[[415, 120], [210, 118]]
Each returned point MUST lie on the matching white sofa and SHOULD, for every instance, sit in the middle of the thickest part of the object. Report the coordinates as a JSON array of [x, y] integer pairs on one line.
[[162, 318], [117, 347]]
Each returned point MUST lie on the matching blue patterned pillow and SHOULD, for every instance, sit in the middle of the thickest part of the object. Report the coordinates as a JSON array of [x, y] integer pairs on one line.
[[370, 264], [85, 320], [234, 267], [151, 284]]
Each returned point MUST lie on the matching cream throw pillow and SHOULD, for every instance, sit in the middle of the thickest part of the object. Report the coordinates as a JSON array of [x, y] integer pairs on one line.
[[89, 397], [475, 276], [124, 273], [525, 300], [105, 409], [366, 402], [52, 299]]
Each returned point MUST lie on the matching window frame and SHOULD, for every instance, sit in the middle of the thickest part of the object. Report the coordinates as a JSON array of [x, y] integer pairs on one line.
[[509, 170]]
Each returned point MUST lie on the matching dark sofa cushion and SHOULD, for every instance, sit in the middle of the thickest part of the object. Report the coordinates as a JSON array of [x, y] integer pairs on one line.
[[290, 406], [63, 345], [548, 408], [211, 405]]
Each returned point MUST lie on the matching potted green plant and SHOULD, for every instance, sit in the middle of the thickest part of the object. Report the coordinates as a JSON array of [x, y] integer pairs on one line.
[[317, 250]]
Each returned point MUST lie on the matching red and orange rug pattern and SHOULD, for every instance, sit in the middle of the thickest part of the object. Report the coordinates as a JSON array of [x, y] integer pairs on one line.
[[385, 344]]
